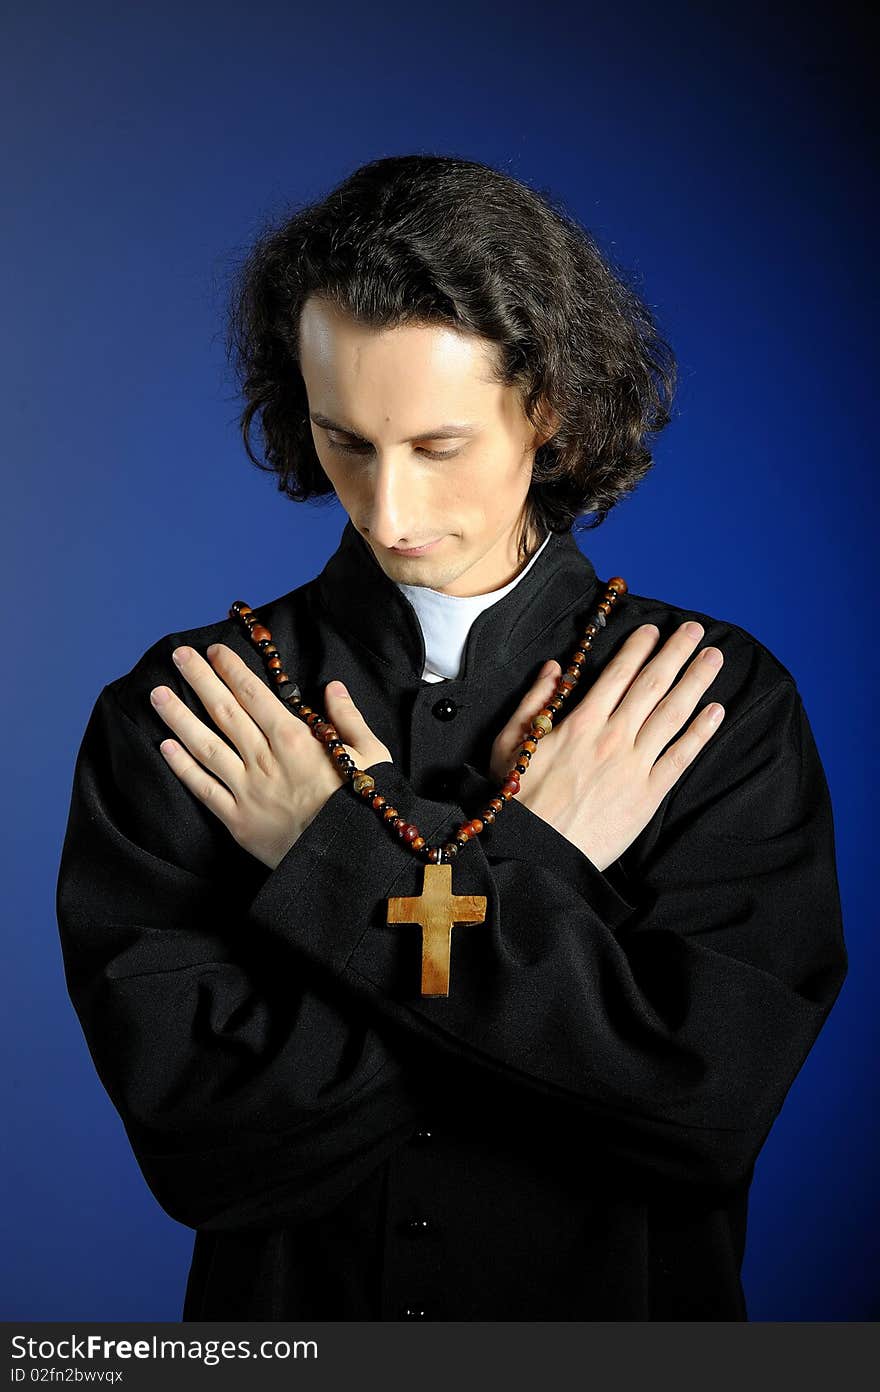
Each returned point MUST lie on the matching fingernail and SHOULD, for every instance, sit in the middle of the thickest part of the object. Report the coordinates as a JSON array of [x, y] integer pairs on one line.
[[180, 656], [159, 695]]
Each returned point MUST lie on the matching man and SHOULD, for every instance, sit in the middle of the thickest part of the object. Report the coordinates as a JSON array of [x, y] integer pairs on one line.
[[566, 1126]]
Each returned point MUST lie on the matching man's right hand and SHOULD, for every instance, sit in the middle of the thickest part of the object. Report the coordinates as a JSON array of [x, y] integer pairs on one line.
[[596, 777]]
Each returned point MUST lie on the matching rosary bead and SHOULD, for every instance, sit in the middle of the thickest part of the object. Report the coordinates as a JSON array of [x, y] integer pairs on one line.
[[275, 664], [542, 725], [450, 850], [618, 584], [435, 855], [362, 782], [378, 802], [260, 633], [566, 686], [409, 833], [600, 618], [522, 768], [389, 814], [417, 843]]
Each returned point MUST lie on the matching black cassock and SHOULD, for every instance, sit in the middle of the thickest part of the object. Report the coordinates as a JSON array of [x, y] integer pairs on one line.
[[571, 1133]]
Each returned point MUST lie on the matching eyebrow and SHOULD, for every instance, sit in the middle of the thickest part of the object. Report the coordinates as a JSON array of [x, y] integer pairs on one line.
[[451, 430]]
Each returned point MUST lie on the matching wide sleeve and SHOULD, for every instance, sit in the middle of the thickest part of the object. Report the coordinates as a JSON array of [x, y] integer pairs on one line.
[[670, 1001], [249, 1096]]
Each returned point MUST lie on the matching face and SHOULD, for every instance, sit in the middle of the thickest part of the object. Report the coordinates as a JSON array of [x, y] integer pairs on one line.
[[422, 448]]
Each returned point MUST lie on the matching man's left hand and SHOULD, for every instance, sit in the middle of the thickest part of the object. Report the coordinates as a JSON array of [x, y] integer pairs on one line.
[[278, 776]]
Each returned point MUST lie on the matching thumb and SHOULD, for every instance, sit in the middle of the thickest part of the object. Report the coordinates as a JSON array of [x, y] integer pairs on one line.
[[343, 712], [538, 693]]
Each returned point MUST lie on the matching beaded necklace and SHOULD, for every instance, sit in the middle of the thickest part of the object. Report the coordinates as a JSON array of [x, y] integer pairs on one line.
[[437, 908]]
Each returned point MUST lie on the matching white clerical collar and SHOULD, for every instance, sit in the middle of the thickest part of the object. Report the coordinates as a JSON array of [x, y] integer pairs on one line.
[[446, 620]]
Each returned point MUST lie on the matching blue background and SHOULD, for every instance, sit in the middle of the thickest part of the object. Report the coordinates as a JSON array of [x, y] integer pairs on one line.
[[721, 157]]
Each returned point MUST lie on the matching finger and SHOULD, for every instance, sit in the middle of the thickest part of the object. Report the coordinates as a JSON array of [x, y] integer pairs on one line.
[[671, 713], [236, 698], [651, 683], [207, 789], [667, 771], [617, 676], [344, 715], [203, 744]]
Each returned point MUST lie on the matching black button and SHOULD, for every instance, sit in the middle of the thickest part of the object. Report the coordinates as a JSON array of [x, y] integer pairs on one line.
[[423, 1136], [413, 1312], [444, 709], [418, 1227]]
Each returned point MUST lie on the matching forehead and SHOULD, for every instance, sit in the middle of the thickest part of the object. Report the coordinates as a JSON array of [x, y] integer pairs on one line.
[[336, 350]]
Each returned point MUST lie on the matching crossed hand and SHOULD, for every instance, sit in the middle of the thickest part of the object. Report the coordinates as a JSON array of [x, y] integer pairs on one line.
[[596, 777]]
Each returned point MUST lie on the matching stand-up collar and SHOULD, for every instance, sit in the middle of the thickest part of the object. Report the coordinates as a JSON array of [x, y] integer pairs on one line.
[[363, 602]]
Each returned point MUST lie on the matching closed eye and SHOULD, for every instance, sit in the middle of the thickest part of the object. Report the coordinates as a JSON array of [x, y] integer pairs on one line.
[[365, 448]]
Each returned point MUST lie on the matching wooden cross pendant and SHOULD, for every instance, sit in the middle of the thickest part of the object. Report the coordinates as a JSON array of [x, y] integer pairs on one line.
[[436, 909]]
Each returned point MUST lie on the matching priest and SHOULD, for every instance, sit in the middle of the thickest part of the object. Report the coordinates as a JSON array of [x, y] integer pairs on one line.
[[441, 953]]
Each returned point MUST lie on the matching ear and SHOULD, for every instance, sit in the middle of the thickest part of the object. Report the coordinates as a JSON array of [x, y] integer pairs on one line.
[[546, 426]]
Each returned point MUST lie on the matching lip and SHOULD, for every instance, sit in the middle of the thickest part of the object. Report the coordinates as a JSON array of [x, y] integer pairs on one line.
[[416, 550]]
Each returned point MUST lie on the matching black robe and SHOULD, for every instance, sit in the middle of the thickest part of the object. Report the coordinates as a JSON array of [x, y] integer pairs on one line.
[[571, 1133]]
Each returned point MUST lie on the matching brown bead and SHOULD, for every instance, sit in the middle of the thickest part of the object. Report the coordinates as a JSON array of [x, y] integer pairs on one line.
[[389, 814], [275, 664], [409, 833], [531, 745], [618, 583], [377, 802], [259, 632], [241, 608], [572, 674], [566, 686], [363, 782]]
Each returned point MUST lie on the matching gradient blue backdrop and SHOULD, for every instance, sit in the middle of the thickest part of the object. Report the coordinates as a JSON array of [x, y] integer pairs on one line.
[[721, 159]]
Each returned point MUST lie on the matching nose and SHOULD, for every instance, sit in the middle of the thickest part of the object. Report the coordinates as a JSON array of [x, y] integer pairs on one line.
[[394, 510]]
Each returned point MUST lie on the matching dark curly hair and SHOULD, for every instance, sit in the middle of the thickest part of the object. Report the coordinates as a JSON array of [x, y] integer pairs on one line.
[[432, 239]]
